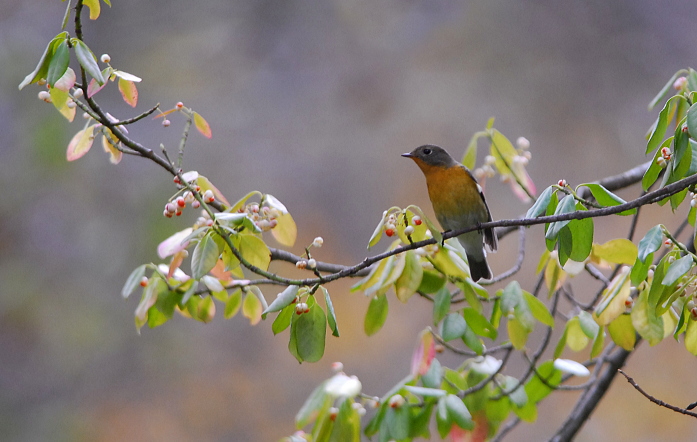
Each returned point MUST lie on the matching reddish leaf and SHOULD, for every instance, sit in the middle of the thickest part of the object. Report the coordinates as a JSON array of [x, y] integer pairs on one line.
[[202, 125], [94, 87], [129, 92], [81, 143], [423, 354]]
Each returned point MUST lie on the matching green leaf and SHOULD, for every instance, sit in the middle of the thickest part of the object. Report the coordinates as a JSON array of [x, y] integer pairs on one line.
[[309, 331], [538, 309], [588, 325], [41, 69], [640, 270], [582, 234], [431, 282], [347, 426], [233, 304], [283, 299], [454, 326], [255, 251], [377, 233], [654, 170], [376, 315], [664, 90], [331, 316], [458, 412], [59, 63], [536, 389], [205, 257], [133, 281], [650, 243], [566, 205], [317, 400], [397, 422], [87, 60], [469, 160], [443, 419], [479, 324], [283, 319], [606, 198], [434, 375], [540, 205], [473, 341], [441, 305], [661, 124], [677, 270]]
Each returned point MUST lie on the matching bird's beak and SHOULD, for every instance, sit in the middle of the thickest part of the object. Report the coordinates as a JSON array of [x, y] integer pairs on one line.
[[407, 155]]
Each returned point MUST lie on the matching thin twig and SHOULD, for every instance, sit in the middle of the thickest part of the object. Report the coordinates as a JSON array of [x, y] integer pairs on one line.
[[653, 399]]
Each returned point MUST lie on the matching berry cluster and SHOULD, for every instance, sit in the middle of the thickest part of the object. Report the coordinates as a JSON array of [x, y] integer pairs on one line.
[[390, 225], [310, 263], [666, 155], [264, 217], [521, 159], [176, 206]]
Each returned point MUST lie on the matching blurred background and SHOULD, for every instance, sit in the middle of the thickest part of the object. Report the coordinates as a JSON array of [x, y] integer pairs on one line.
[[312, 102]]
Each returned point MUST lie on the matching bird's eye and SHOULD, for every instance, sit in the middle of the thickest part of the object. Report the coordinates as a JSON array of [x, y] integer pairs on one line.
[[427, 151]]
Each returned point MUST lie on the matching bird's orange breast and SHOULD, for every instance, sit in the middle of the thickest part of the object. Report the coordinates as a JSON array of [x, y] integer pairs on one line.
[[455, 196]]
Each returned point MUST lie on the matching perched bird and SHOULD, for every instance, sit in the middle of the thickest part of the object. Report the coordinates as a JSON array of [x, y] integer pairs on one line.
[[458, 202]]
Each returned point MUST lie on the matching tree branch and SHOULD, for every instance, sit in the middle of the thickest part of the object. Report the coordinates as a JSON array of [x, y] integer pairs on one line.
[[591, 398], [653, 399]]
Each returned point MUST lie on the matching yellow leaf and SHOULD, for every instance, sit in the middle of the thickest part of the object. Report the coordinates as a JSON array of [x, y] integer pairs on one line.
[[691, 337], [285, 231], [575, 338], [252, 308], [60, 100], [612, 304], [254, 250], [81, 143], [618, 251], [95, 8], [202, 125], [554, 275], [129, 92], [622, 332], [108, 144], [206, 184], [410, 279]]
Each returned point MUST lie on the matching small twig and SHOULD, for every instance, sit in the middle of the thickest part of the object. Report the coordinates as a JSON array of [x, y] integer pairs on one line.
[[437, 337], [653, 399]]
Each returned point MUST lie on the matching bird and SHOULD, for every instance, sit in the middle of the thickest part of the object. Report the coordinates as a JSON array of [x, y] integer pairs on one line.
[[458, 202]]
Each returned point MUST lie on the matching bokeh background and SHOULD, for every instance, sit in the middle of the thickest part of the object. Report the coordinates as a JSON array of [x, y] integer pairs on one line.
[[312, 102]]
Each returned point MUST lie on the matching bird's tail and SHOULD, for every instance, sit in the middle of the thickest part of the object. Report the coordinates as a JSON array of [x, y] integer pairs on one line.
[[479, 268]]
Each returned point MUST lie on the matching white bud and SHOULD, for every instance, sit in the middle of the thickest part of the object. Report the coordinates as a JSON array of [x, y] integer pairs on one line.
[[78, 93], [105, 58], [311, 263], [522, 143], [317, 242], [408, 230]]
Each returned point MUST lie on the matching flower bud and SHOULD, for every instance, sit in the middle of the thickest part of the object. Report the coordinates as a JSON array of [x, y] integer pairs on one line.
[[311, 263], [396, 401], [408, 230], [317, 242], [522, 143], [105, 58]]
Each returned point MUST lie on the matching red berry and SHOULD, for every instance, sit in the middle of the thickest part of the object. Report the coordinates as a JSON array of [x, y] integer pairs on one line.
[[177, 180], [180, 105], [195, 204], [180, 202], [418, 222], [389, 232], [144, 281]]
